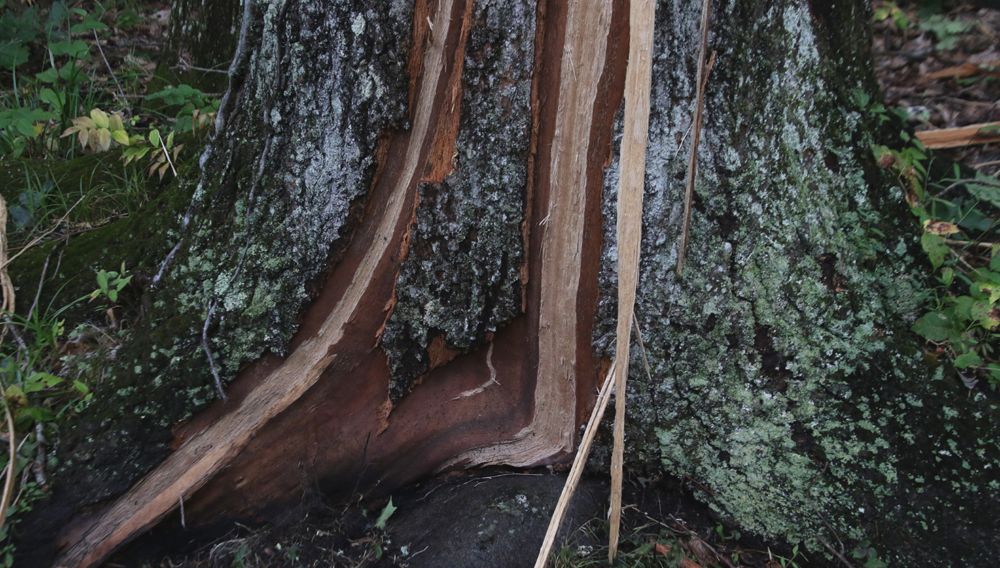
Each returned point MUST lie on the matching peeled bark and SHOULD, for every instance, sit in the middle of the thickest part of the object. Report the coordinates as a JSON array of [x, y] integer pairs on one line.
[[394, 253]]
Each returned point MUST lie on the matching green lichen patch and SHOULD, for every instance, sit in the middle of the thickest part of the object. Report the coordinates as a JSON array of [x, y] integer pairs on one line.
[[461, 279], [784, 378]]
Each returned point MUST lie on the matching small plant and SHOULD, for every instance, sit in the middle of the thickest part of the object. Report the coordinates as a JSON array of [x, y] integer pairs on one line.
[[788, 562], [890, 11], [946, 31], [866, 552], [963, 247], [39, 395], [110, 284], [196, 108]]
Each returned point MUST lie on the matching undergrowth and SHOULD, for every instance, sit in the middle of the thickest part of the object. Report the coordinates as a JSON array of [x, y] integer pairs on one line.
[[83, 141], [958, 215]]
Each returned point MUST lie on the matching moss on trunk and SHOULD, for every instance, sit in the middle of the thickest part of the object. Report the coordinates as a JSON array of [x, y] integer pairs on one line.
[[784, 378]]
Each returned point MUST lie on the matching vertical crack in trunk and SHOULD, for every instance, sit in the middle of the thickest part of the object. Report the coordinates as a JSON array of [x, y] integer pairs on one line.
[[550, 433], [202, 456]]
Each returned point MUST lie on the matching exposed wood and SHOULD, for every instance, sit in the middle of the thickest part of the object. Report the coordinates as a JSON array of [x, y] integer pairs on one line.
[[200, 457], [630, 190], [576, 471], [960, 136], [550, 433]]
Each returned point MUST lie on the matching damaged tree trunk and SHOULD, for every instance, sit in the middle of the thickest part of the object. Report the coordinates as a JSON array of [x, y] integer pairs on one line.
[[398, 259]]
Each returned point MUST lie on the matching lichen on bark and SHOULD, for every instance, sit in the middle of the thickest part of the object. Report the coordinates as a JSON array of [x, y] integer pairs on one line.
[[784, 379], [461, 279]]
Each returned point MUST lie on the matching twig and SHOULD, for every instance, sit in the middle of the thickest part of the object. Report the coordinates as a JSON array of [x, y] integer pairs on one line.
[[577, 470], [696, 136], [39, 464], [188, 67], [166, 154], [6, 287], [180, 498], [969, 243], [839, 555], [966, 182], [110, 70], [642, 349], [41, 281]]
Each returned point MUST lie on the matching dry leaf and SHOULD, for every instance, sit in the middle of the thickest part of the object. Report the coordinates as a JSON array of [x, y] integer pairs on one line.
[[940, 227]]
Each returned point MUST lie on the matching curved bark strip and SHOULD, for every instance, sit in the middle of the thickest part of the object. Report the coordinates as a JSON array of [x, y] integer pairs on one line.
[[551, 431], [199, 458]]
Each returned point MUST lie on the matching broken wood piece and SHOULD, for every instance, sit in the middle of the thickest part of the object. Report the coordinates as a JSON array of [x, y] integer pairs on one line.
[[577, 470], [983, 133], [966, 70], [630, 189]]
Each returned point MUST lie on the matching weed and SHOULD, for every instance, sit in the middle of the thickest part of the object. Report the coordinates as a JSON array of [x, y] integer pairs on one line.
[[890, 11], [789, 562], [867, 553], [946, 31], [962, 244]]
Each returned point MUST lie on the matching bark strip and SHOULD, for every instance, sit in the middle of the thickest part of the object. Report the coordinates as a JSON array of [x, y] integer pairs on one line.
[[202, 456], [631, 182]]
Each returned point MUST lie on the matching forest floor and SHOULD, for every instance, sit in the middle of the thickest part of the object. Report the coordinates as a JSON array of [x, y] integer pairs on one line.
[[942, 67]]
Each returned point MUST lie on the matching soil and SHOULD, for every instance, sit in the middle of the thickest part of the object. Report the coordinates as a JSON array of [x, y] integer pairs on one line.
[[491, 518]]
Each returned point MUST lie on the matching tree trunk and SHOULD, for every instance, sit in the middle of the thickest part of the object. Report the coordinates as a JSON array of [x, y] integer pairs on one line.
[[202, 38], [398, 251]]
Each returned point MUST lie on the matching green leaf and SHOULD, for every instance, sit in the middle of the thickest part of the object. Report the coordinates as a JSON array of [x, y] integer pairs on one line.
[[947, 276], [113, 295], [970, 359], [48, 76], [963, 308], [995, 263], [154, 137], [123, 282], [384, 516], [994, 371], [120, 137], [80, 387], [102, 280], [87, 25], [937, 326], [935, 248], [39, 381], [984, 313]]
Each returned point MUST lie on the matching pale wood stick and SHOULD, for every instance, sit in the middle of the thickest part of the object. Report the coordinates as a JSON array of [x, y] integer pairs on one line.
[[7, 306], [633, 173], [983, 133], [695, 138], [577, 470]]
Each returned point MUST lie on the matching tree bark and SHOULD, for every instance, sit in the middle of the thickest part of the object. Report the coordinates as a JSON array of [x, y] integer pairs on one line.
[[398, 258]]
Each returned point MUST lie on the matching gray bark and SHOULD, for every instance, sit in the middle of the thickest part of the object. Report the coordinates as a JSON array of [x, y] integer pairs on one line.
[[784, 378]]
